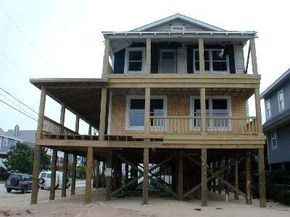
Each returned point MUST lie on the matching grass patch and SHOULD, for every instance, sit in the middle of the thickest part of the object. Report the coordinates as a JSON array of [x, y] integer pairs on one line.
[[2, 181]]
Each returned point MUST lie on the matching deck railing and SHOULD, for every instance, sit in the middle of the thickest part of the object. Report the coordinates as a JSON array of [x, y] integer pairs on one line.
[[54, 128], [191, 125]]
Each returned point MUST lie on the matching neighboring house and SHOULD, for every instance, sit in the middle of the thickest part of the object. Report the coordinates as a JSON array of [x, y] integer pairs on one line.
[[10, 138], [277, 125], [173, 95]]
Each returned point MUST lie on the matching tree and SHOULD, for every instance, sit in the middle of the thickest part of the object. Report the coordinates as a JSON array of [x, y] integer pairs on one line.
[[20, 159]]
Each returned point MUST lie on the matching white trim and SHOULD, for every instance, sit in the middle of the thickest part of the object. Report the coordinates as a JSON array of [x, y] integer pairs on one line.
[[266, 114], [177, 28], [129, 97], [273, 134], [127, 50], [110, 112], [211, 61], [283, 100]]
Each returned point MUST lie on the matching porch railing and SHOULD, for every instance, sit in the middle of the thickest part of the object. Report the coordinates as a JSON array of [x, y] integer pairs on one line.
[[216, 125], [52, 127]]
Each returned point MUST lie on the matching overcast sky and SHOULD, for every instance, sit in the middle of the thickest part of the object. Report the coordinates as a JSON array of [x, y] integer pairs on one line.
[[62, 38]]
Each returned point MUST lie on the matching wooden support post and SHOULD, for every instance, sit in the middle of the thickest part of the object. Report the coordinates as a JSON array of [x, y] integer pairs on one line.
[[64, 175], [148, 55], [201, 54], [258, 110], [248, 179], [236, 178], [262, 181], [97, 173], [35, 173], [147, 112], [74, 174], [53, 175], [220, 166], [106, 58], [77, 124], [37, 149], [180, 177], [41, 113], [89, 168], [203, 111], [203, 177], [62, 118], [253, 56], [108, 175], [145, 175], [103, 114]]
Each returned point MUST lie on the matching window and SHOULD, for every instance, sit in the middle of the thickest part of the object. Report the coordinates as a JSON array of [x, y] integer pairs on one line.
[[268, 109], [280, 97], [136, 111], [134, 61], [273, 140], [215, 107], [215, 60], [168, 61]]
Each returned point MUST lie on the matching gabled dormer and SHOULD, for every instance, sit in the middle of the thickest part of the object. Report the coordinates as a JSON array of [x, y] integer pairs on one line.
[[178, 45]]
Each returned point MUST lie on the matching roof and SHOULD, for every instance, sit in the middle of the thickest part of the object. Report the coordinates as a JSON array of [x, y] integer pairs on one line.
[[207, 30], [276, 84], [277, 121], [72, 91], [177, 16]]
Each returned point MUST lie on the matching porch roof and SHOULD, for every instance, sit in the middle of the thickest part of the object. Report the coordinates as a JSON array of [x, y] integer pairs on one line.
[[82, 96]]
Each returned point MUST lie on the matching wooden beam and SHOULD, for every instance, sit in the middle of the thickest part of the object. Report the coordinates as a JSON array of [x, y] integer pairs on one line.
[[147, 112], [41, 113], [248, 179], [204, 177], [201, 54], [103, 114], [53, 175], [108, 175], [236, 178], [35, 173], [262, 181], [145, 175], [106, 58], [62, 118], [74, 174], [64, 175], [77, 124], [203, 111], [253, 56], [180, 177], [89, 168], [148, 55], [258, 109]]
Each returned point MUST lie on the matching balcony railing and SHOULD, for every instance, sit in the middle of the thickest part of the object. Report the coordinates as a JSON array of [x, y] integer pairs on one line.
[[215, 125], [54, 128]]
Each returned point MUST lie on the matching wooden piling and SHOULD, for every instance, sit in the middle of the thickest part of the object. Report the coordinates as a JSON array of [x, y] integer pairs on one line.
[[145, 175], [74, 168], [89, 168], [203, 177], [236, 178], [262, 181], [248, 179], [180, 177], [35, 173], [53, 175], [64, 174]]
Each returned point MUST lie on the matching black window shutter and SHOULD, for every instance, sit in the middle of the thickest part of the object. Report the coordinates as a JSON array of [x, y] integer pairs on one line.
[[230, 52], [189, 59], [154, 58], [119, 62]]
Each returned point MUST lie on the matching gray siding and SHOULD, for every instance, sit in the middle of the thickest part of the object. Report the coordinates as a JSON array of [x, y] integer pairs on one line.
[[239, 59], [282, 152], [274, 99]]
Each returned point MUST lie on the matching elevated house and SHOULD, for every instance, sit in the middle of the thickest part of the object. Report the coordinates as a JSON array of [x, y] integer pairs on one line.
[[171, 103], [277, 125]]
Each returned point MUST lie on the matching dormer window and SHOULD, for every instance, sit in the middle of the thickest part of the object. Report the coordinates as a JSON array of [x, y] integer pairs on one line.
[[134, 60], [178, 28]]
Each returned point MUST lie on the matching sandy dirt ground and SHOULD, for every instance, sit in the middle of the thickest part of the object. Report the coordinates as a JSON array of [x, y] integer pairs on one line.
[[17, 204]]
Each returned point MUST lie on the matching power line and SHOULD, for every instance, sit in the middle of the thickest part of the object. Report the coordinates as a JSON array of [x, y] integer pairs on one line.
[[26, 38], [17, 110], [18, 100]]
